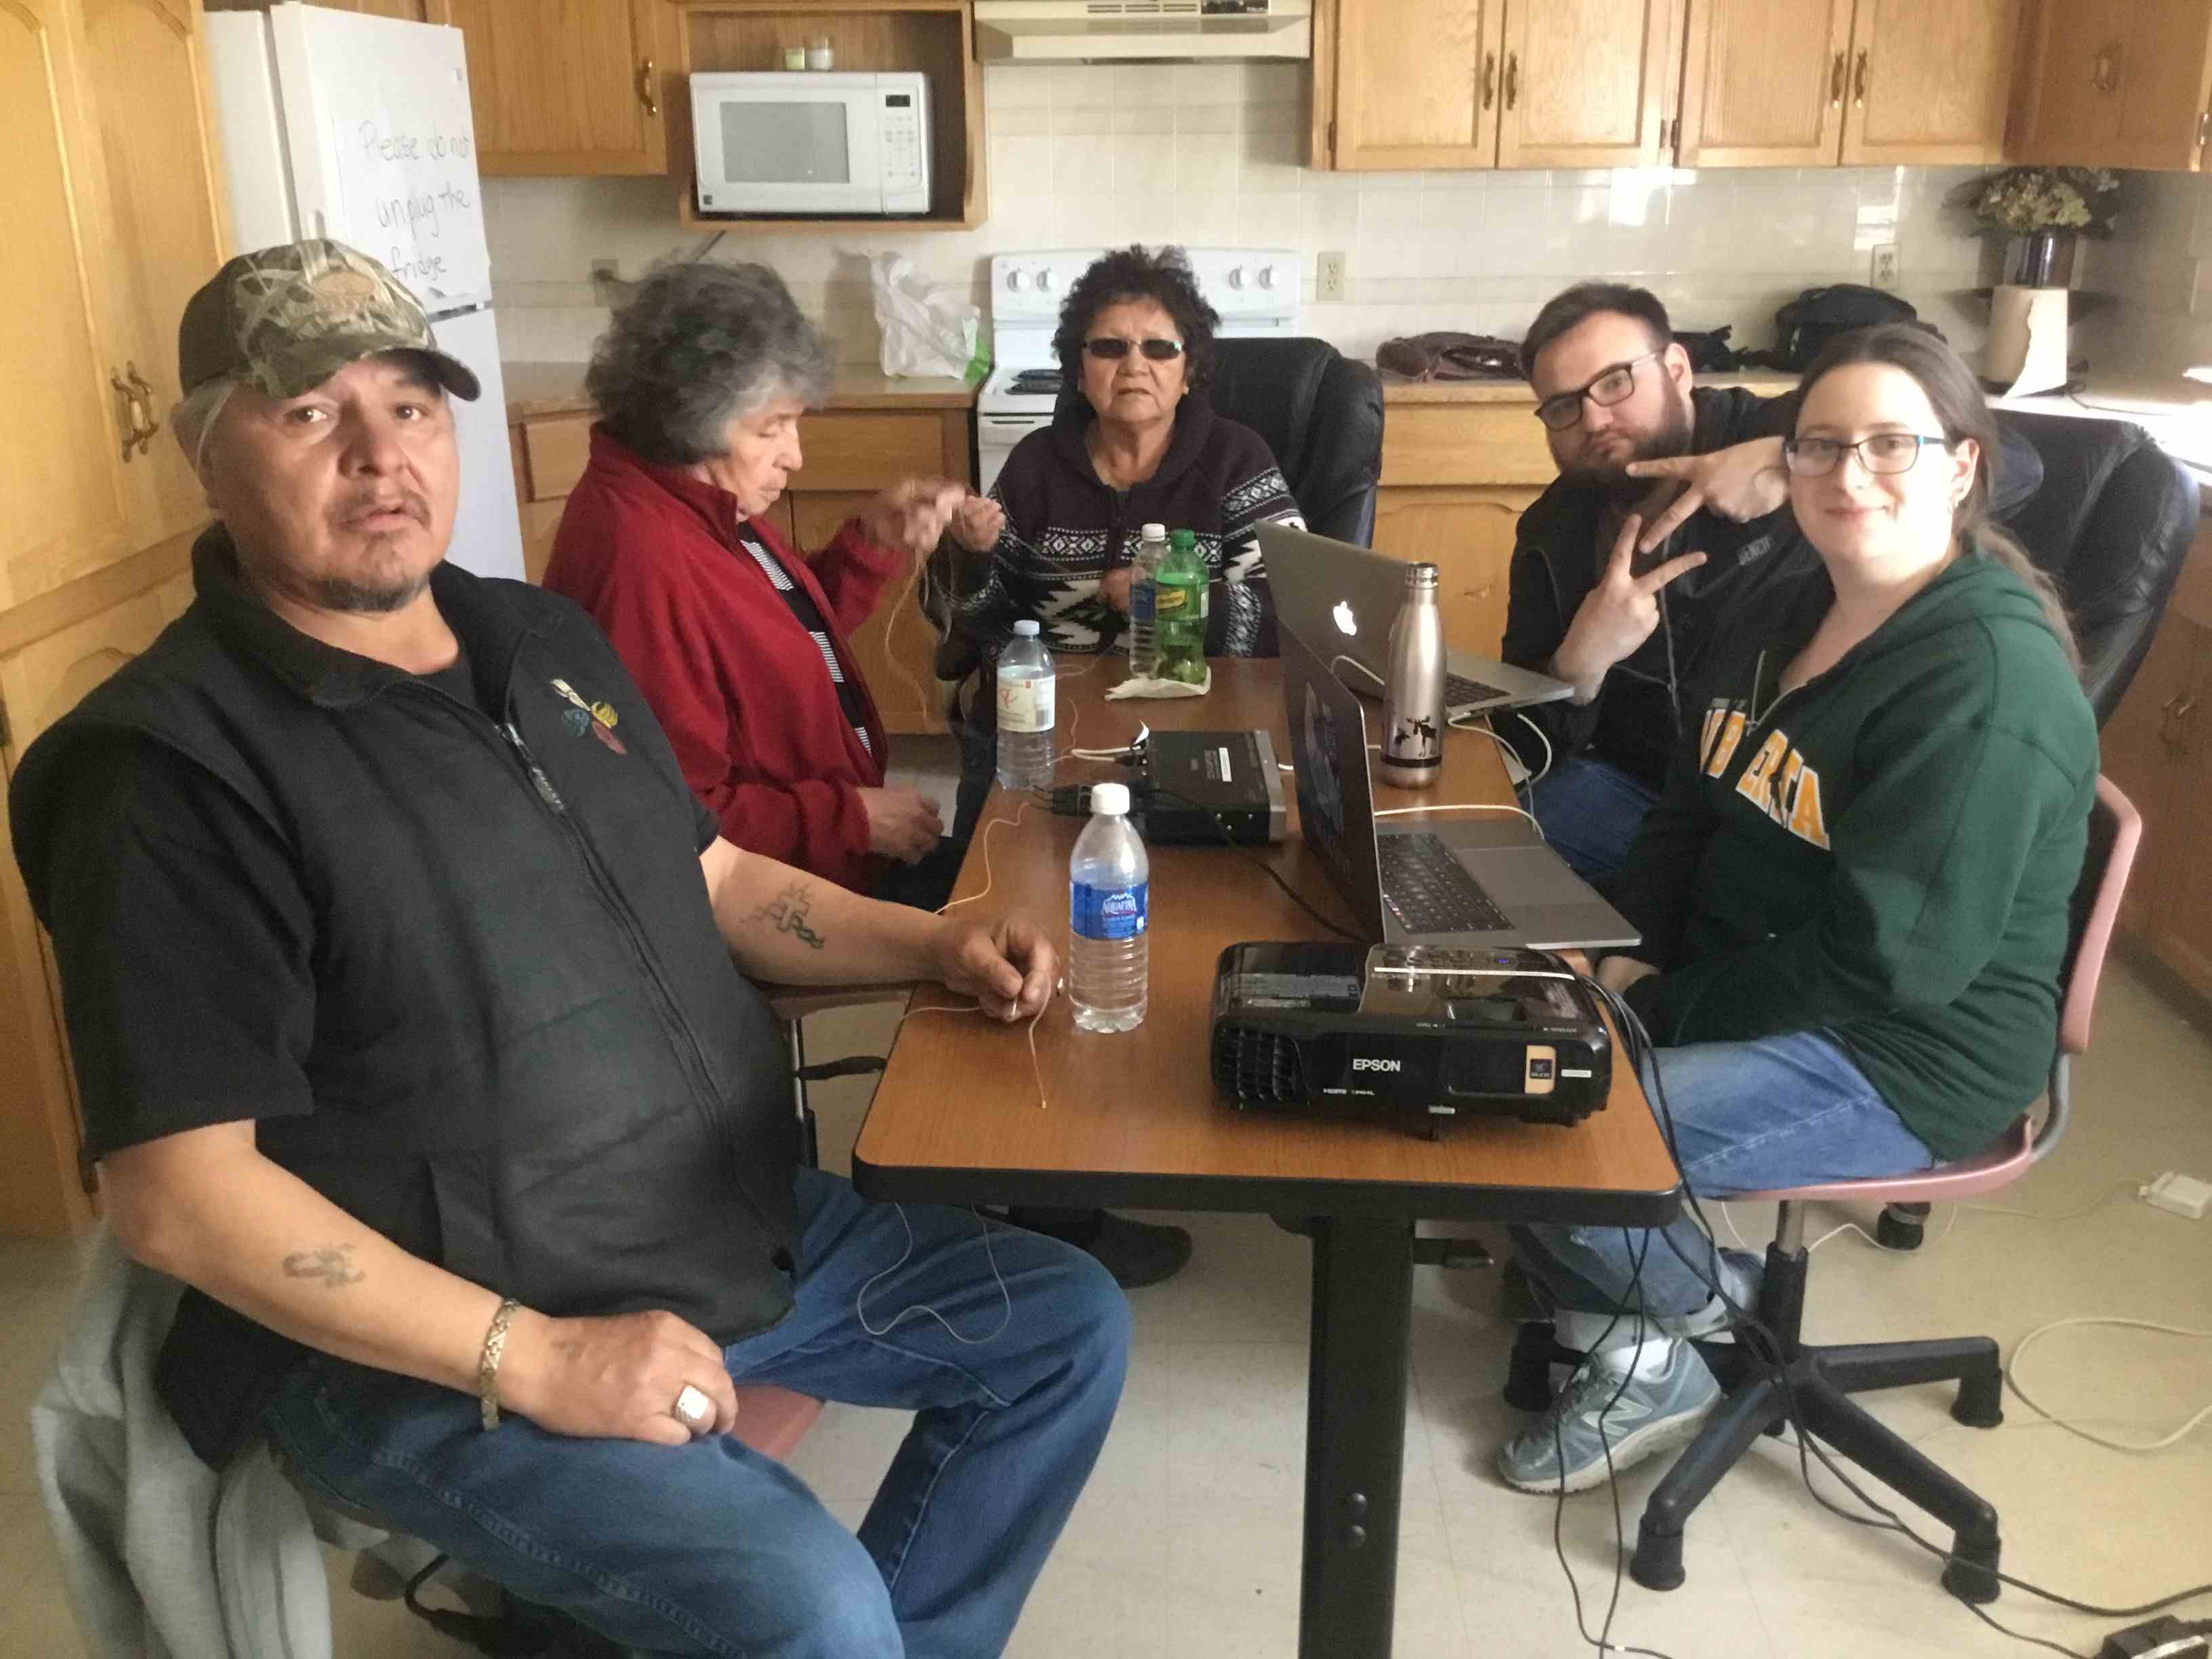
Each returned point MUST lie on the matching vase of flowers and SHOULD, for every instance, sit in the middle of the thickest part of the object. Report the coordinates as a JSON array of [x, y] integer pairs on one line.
[[2044, 211]]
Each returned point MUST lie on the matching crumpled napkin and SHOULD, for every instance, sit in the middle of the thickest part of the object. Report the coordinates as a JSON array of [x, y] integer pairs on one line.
[[1140, 688]]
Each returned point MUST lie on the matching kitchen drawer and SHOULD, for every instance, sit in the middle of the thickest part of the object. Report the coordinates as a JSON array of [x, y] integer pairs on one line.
[[556, 449], [1465, 444], [869, 451]]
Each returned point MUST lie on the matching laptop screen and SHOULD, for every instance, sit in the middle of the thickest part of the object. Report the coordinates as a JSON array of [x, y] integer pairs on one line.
[[1328, 759]]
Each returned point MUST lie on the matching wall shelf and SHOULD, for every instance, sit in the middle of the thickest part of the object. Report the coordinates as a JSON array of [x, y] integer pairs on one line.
[[934, 36]]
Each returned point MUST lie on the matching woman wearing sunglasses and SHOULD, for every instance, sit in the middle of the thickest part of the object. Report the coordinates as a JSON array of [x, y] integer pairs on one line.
[[1054, 539], [1853, 894]]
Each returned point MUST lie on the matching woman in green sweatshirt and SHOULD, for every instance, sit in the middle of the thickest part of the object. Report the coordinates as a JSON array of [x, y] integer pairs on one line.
[[1853, 894]]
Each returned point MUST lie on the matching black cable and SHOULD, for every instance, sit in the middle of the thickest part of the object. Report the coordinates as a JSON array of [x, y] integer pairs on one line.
[[1638, 1042]]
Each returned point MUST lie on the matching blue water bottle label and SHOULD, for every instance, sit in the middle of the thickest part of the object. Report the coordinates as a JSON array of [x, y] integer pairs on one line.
[[1107, 913]]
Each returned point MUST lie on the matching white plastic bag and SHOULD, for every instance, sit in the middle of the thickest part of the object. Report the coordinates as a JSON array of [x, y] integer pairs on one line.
[[927, 328]]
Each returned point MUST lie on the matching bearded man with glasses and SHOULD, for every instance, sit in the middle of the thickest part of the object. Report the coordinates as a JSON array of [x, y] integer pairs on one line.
[[1670, 506]]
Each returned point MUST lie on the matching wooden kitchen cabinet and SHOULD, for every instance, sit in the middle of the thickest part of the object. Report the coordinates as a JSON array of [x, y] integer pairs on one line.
[[1466, 532], [871, 434], [1587, 83], [1416, 84], [2127, 83], [1481, 83], [1930, 85], [110, 198], [2158, 748], [566, 87], [1816, 83]]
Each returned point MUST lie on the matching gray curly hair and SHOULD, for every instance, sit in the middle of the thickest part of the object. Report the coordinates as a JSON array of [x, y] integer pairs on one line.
[[696, 346]]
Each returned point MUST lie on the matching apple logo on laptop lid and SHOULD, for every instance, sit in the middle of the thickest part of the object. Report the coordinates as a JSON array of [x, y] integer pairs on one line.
[[1347, 623]]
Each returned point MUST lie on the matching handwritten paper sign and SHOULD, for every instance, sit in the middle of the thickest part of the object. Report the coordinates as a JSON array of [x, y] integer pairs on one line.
[[402, 147]]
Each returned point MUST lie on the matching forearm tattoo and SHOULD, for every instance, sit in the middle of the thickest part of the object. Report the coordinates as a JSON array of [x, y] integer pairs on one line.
[[332, 1264], [787, 914]]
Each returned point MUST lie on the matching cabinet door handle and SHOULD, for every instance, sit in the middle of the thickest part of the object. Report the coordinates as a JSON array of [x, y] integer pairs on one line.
[[646, 95], [1836, 82], [1512, 79], [150, 425], [1489, 79], [1859, 82], [126, 412], [2104, 68]]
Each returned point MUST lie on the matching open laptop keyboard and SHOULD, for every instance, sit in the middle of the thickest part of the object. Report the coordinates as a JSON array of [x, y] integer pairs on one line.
[[1430, 891], [1459, 691]]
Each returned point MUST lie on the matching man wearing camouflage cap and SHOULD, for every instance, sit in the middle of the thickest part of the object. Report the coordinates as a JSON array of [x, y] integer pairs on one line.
[[396, 960]]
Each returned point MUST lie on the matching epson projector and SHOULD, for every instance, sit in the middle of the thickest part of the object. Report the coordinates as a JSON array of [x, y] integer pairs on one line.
[[1407, 1035]]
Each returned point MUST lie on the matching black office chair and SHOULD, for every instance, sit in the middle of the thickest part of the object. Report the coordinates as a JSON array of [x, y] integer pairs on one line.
[[2111, 522], [1321, 413]]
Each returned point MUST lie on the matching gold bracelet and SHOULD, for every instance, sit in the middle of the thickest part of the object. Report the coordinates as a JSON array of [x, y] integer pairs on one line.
[[495, 1345]]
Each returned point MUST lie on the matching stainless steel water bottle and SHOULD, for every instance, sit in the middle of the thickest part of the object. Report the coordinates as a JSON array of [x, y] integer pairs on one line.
[[1414, 693]]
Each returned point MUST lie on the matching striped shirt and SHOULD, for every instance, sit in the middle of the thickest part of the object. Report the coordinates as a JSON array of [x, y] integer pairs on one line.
[[811, 618]]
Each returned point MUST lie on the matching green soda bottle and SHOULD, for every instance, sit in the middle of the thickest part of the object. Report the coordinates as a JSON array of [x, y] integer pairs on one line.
[[1179, 610]]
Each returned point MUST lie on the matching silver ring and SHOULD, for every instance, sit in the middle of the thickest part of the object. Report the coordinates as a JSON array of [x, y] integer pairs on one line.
[[692, 1408]]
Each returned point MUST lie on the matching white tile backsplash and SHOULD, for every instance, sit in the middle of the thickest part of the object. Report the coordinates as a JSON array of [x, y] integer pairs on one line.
[[1088, 153]]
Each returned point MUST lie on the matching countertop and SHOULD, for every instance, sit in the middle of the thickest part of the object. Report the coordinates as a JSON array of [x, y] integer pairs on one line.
[[2176, 413], [536, 391], [1397, 389]]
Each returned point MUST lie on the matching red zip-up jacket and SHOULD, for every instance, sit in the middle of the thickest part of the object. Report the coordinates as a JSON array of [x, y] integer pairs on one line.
[[735, 681]]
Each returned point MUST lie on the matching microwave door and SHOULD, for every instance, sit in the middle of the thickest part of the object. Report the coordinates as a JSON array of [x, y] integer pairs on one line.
[[790, 152]]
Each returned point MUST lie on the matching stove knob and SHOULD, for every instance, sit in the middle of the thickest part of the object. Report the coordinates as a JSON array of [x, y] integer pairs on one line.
[[1267, 275], [1044, 280], [1017, 280], [1236, 277]]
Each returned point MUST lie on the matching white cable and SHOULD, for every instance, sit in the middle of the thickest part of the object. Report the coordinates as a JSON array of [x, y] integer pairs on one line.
[[1545, 770], [2136, 1182], [2012, 1377], [1361, 667], [1462, 806]]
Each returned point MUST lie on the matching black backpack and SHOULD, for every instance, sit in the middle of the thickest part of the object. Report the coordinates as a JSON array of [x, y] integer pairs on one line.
[[1804, 327]]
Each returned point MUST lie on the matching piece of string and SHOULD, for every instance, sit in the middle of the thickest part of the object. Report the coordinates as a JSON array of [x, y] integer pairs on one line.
[[1037, 1065], [1006, 1297], [1463, 806]]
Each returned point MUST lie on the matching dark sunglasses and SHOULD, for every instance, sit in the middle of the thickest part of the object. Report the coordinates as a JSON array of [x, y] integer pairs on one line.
[[1110, 350]]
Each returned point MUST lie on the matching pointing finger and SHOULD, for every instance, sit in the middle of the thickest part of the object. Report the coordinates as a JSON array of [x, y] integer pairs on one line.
[[1674, 518]]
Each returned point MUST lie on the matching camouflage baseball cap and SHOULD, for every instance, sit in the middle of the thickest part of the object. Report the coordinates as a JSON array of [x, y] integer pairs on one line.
[[286, 318]]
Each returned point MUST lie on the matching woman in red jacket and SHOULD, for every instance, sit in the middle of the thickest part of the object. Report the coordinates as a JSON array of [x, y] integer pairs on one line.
[[737, 639]]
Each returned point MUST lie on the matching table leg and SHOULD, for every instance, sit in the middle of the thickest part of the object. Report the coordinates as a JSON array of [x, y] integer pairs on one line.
[[1355, 1436]]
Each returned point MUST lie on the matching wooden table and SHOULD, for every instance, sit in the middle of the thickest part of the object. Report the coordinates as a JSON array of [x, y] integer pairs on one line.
[[1132, 1119]]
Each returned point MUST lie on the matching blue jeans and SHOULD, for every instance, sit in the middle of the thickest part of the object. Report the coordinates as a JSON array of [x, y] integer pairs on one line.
[[1781, 1111], [711, 1549], [1590, 811]]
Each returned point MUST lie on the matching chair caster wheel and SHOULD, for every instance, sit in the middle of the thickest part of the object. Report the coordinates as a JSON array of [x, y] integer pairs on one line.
[[1901, 1227], [1971, 1572], [1657, 1563]]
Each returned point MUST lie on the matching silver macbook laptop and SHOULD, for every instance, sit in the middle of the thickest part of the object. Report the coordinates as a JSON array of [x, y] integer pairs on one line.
[[1343, 599], [1476, 879]]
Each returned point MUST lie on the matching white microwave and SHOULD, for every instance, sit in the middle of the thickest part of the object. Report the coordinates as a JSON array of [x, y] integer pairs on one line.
[[811, 142]]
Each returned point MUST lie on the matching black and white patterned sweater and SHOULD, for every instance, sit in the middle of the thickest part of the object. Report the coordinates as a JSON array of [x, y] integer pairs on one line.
[[1065, 528]]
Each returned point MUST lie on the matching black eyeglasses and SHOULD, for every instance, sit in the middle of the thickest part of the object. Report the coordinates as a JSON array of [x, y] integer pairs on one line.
[[1883, 452], [1613, 386], [1109, 348]]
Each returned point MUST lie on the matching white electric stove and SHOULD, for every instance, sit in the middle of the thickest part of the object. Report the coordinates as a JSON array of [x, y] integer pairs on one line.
[[1254, 289]]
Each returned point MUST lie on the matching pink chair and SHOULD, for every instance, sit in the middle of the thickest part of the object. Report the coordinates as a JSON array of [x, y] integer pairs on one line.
[[773, 1420], [1763, 1379]]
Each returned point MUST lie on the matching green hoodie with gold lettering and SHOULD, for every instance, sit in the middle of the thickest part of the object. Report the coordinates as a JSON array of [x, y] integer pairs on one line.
[[1885, 853]]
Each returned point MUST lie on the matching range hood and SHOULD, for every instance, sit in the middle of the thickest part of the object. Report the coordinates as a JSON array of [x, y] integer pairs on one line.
[[1122, 31]]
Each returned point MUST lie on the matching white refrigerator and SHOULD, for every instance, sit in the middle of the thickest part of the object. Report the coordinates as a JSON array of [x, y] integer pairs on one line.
[[357, 128]]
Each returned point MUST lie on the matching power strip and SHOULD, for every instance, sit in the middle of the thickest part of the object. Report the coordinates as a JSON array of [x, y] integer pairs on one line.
[[2180, 1193]]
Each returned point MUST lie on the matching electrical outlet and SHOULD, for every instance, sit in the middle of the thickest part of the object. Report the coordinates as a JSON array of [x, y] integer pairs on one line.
[[1328, 278], [1884, 274]]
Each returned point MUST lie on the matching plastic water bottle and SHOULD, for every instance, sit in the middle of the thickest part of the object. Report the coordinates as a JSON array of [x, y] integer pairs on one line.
[[1028, 688], [1144, 601], [1109, 897]]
